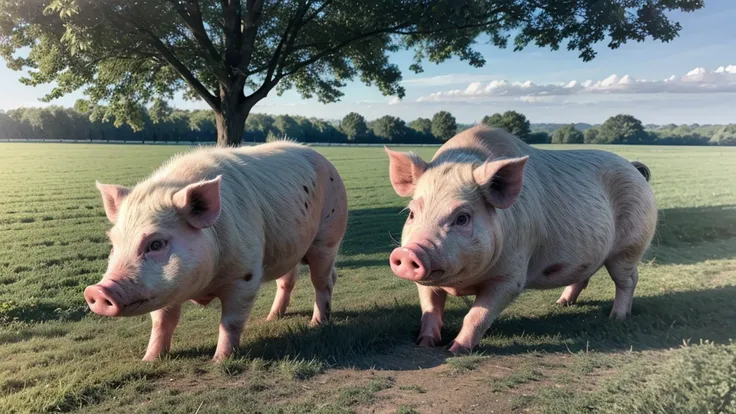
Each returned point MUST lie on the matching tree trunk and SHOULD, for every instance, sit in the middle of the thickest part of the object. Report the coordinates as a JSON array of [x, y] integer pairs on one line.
[[231, 115], [231, 124]]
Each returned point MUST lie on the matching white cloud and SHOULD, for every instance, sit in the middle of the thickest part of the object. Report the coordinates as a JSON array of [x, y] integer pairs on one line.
[[698, 80], [449, 79], [395, 100]]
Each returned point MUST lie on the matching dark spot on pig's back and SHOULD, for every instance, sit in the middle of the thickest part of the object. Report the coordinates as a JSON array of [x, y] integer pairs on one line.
[[306, 190], [555, 268], [332, 179], [306, 205]]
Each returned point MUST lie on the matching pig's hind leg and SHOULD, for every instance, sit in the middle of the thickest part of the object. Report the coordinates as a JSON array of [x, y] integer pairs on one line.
[[321, 261], [570, 294], [623, 269], [284, 286]]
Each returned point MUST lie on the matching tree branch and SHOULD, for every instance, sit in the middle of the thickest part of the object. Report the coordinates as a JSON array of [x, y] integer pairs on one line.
[[292, 30], [253, 14], [171, 59], [319, 10], [192, 17], [397, 29]]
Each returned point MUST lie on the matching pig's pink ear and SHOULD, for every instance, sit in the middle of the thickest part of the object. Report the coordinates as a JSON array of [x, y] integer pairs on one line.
[[501, 180], [200, 202], [112, 197], [404, 171]]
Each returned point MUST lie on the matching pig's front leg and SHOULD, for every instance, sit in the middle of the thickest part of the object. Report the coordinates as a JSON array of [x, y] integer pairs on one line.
[[490, 300], [164, 322], [433, 305], [237, 301]]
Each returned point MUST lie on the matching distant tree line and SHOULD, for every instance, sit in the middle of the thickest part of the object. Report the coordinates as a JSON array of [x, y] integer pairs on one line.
[[161, 123]]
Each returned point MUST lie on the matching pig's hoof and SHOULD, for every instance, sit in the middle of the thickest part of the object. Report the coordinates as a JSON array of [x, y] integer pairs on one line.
[[273, 316], [565, 302], [458, 349], [428, 341], [315, 322], [217, 359], [150, 358], [618, 316]]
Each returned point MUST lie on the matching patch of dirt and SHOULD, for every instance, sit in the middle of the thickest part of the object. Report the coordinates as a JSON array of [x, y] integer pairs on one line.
[[418, 379]]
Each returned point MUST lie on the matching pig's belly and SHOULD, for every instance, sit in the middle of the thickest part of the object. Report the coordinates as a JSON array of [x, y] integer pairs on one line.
[[557, 275], [463, 291]]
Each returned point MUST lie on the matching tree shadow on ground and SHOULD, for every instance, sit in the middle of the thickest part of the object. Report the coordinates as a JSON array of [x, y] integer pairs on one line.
[[383, 337], [680, 231]]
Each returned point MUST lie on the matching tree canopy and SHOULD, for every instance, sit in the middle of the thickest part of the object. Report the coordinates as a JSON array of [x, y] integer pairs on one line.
[[622, 129], [726, 135], [568, 135], [444, 125], [232, 53], [354, 126], [511, 121], [389, 128]]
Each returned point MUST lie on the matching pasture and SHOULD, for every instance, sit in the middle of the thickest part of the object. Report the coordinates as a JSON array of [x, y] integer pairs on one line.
[[674, 354]]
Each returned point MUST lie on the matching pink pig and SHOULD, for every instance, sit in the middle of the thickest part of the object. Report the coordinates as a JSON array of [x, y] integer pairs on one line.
[[491, 216], [216, 223]]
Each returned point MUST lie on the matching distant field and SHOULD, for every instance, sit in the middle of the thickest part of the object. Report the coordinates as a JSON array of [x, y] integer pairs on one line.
[[539, 357]]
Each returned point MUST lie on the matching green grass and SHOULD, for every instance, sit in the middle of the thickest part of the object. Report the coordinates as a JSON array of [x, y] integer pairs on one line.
[[55, 356]]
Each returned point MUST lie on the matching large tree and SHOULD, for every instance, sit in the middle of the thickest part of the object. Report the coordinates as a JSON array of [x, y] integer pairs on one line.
[[726, 135], [422, 125], [512, 122], [622, 129], [568, 134], [444, 125], [390, 128], [232, 53], [353, 125]]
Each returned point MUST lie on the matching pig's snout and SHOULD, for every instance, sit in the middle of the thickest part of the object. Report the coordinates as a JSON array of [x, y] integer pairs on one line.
[[104, 298], [410, 262]]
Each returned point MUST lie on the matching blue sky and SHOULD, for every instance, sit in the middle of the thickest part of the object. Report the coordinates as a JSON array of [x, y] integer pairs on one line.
[[689, 80]]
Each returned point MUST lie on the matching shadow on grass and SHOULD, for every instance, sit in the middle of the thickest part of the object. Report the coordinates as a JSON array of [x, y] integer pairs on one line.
[[681, 230], [383, 337], [40, 312]]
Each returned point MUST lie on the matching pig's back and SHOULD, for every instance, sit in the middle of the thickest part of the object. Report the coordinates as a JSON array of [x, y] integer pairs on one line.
[[271, 199], [483, 142]]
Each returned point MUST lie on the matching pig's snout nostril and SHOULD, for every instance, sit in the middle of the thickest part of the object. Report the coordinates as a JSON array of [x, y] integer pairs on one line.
[[409, 263], [101, 300]]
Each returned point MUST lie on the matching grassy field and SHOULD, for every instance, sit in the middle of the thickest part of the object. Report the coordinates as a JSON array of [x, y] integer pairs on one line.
[[673, 355]]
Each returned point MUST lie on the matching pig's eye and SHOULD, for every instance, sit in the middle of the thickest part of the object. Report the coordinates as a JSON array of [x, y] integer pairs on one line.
[[155, 246], [462, 219], [411, 215]]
